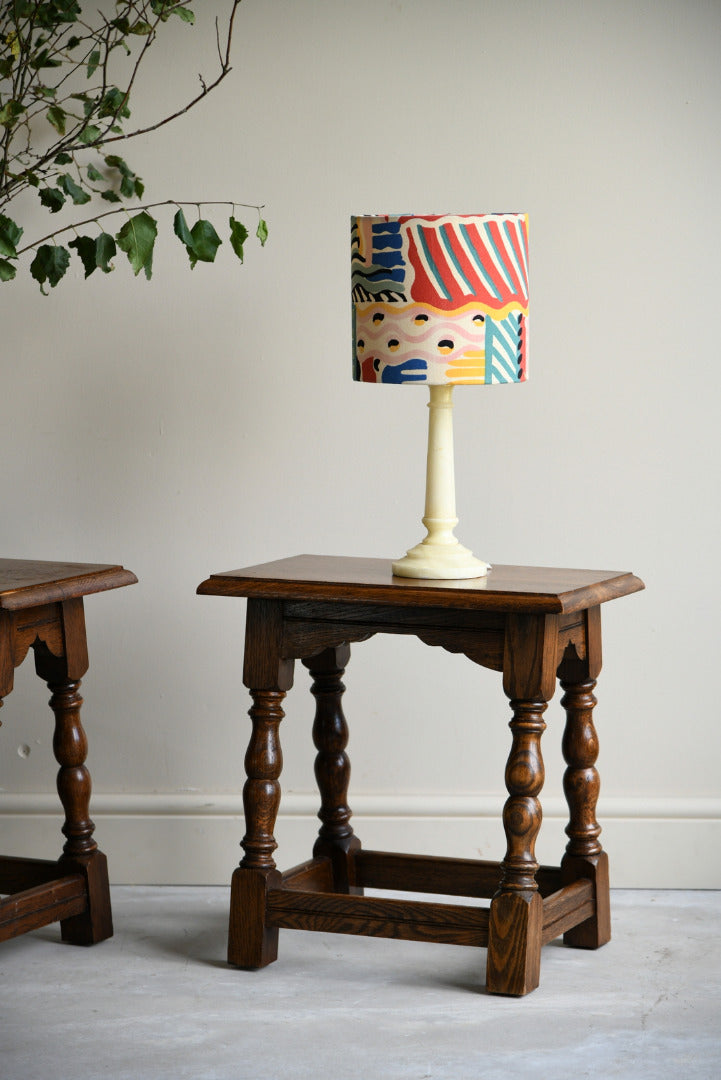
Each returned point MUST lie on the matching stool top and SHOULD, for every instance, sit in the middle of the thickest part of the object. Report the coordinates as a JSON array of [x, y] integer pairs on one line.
[[26, 583], [535, 590]]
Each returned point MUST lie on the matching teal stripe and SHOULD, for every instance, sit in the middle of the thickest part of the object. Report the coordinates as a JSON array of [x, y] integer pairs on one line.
[[521, 274], [502, 365], [481, 268], [432, 265], [445, 240], [491, 243]]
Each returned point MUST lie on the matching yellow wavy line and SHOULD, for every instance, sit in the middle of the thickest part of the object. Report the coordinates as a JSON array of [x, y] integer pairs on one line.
[[395, 309]]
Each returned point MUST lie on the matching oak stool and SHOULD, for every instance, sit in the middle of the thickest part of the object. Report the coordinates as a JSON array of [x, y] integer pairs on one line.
[[533, 625], [41, 608]]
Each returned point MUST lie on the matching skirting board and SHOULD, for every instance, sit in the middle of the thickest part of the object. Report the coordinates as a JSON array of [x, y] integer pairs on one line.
[[193, 839]]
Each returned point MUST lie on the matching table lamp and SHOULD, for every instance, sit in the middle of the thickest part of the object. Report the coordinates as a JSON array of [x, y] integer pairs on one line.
[[440, 300]]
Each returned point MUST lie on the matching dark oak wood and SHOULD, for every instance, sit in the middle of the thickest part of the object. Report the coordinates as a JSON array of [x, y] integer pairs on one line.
[[534, 625], [41, 608], [332, 767], [26, 583], [507, 588], [452, 924]]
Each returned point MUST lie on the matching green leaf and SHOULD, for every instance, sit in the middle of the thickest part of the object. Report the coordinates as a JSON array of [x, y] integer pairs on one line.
[[130, 184], [181, 230], [127, 187], [10, 234], [85, 247], [53, 198], [262, 232], [116, 162], [50, 264], [201, 242], [166, 8], [93, 62], [44, 59], [89, 134], [6, 67], [71, 189], [141, 28], [53, 13], [205, 242], [137, 239], [10, 112], [7, 270], [89, 103], [110, 196], [94, 174], [63, 159], [105, 249], [114, 103], [238, 236], [95, 253]]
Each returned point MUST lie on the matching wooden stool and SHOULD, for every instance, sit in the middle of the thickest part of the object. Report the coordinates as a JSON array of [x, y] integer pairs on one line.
[[530, 624], [41, 608]]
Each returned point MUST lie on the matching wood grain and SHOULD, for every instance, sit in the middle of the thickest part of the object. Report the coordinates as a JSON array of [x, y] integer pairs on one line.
[[506, 588], [27, 583]]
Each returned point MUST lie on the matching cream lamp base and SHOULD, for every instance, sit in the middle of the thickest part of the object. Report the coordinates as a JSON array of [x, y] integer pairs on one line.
[[439, 554], [429, 560]]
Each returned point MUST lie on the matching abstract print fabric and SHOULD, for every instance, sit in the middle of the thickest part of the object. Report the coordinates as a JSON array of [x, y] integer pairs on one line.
[[440, 298]]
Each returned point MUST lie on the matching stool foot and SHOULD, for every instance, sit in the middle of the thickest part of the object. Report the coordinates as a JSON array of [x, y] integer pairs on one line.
[[514, 943], [596, 931], [95, 924], [342, 857], [251, 943]]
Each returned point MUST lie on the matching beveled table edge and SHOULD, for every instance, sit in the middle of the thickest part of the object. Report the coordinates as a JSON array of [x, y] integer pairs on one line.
[[65, 585], [275, 581]]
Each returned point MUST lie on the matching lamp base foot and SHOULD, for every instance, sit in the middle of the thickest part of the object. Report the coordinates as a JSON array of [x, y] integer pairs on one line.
[[440, 561]]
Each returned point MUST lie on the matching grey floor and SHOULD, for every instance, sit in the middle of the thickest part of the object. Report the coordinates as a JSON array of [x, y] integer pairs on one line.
[[158, 1001]]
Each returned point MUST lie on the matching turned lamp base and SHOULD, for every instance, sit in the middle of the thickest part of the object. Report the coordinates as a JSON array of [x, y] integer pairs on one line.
[[439, 554], [429, 560]]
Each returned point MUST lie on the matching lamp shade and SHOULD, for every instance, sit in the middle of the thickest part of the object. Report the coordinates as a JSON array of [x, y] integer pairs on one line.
[[440, 299]]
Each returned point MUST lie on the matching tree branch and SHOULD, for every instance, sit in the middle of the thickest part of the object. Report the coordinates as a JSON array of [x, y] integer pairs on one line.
[[137, 209], [206, 89]]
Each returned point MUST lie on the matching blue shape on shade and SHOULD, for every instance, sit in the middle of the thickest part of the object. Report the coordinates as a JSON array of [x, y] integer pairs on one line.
[[405, 372], [393, 240], [387, 258], [386, 227]]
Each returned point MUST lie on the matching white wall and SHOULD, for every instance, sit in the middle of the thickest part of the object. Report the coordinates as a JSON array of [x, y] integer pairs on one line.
[[208, 420]]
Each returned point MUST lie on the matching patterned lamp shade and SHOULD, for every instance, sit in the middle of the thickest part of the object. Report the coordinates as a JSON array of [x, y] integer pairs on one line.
[[440, 299]]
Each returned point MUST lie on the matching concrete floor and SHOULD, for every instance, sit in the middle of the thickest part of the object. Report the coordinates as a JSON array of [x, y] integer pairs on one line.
[[158, 1001]]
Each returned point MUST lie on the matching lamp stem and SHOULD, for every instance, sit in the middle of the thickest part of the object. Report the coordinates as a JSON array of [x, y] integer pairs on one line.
[[439, 554], [440, 513]]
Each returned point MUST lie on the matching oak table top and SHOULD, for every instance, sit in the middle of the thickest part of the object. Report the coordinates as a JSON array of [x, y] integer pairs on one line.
[[26, 583], [523, 589]]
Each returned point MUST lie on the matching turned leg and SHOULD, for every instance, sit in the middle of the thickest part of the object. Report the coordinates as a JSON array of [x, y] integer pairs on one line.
[[516, 916], [70, 746], [251, 943], [584, 855], [332, 767]]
